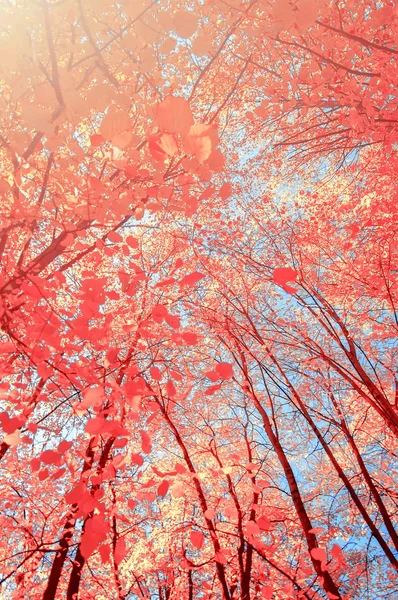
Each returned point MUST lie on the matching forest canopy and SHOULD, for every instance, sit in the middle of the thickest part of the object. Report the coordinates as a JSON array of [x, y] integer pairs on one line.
[[198, 300]]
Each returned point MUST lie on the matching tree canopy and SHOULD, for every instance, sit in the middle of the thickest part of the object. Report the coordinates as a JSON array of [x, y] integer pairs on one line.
[[198, 300]]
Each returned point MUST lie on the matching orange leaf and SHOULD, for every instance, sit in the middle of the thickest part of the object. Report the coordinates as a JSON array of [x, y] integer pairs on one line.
[[92, 397], [174, 115], [114, 123], [202, 45], [184, 23], [162, 145], [200, 141], [96, 185]]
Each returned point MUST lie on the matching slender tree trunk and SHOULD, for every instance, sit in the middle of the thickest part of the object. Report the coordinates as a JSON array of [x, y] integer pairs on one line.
[[58, 563], [381, 403], [202, 501], [252, 516], [241, 547], [79, 560], [340, 472], [190, 585], [59, 560], [326, 579], [75, 576], [367, 477], [116, 574]]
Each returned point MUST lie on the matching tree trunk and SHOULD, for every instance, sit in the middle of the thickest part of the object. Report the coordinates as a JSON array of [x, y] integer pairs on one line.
[[202, 501]]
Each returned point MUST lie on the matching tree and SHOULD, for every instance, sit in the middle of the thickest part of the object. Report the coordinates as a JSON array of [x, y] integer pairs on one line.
[[198, 300]]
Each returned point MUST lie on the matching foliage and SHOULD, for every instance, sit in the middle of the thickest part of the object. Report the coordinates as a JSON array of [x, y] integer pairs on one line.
[[198, 300]]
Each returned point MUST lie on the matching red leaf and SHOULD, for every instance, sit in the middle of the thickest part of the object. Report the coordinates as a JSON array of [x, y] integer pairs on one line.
[[190, 338], [8, 424], [96, 139], [132, 242], [180, 469], [338, 554], [92, 397], [319, 554], [120, 550], [145, 442], [131, 170], [76, 494], [165, 282], [212, 375], [216, 161], [225, 191], [173, 321], [6, 347], [105, 553], [114, 123], [252, 528], [43, 474], [267, 592], [137, 459], [159, 313], [94, 426], [200, 141], [197, 538], [225, 370], [220, 558], [212, 389], [155, 374], [264, 523], [284, 274], [113, 236], [192, 278], [170, 388], [50, 457], [35, 465], [95, 532], [163, 488], [175, 375]]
